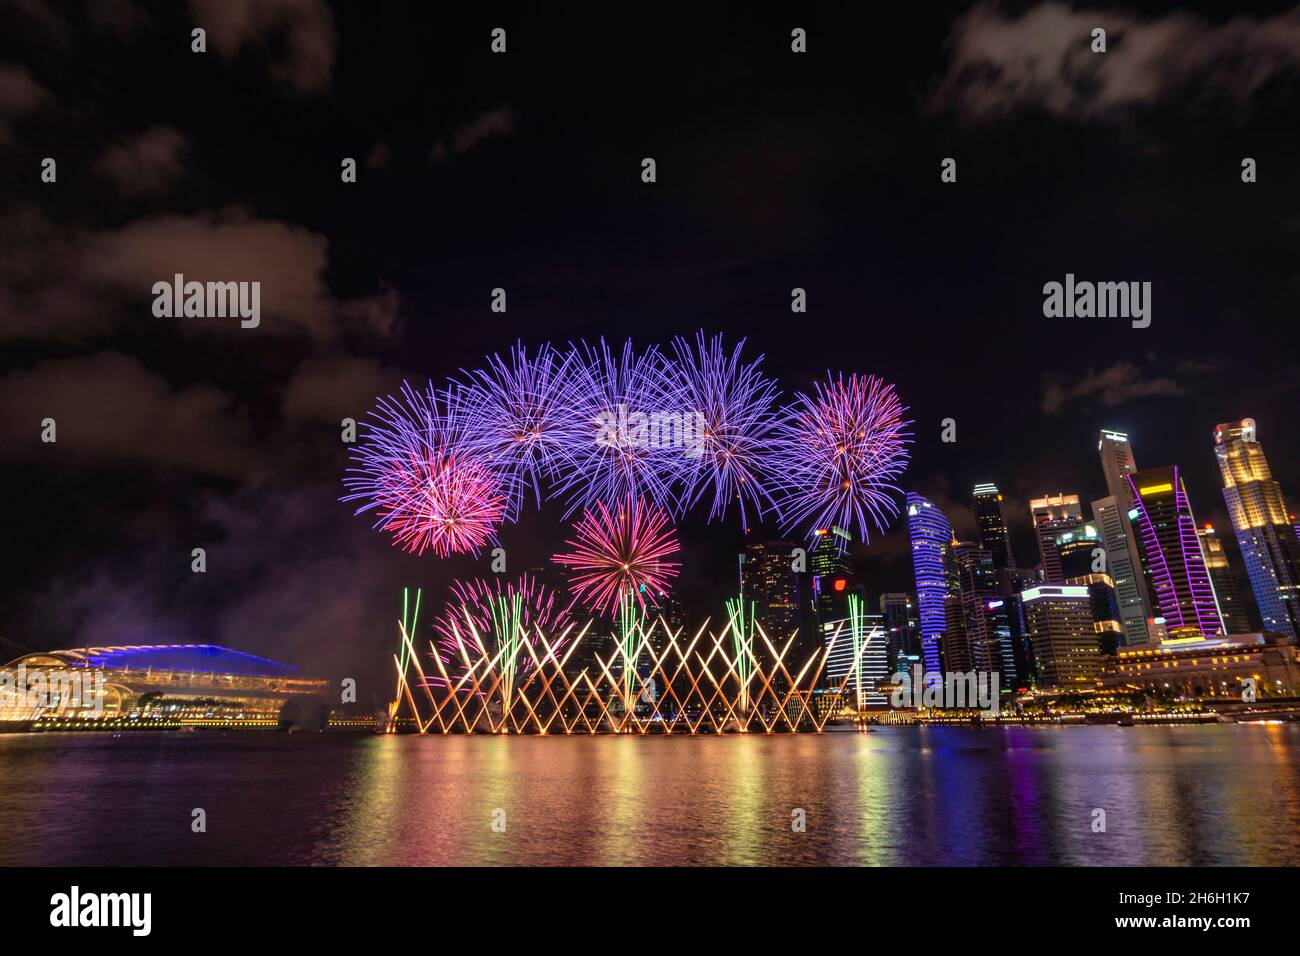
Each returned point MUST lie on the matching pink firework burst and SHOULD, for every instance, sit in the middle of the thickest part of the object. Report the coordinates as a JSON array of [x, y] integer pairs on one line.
[[427, 489], [838, 454], [502, 613], [620, 551]]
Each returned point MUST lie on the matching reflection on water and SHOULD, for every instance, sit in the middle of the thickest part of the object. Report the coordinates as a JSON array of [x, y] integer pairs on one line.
[[899, 796]]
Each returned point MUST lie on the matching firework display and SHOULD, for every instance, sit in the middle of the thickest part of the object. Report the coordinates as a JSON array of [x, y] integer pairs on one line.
[[706, 683], [731, 417], [496, 614], [619, 434], [838, 454], [627, 414], [518, 418], [427, 488], [620, 552]]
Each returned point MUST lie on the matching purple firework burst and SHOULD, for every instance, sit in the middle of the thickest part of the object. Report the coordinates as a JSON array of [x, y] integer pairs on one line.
[[517, 419], [838, 454], [413, 470], [626, 426], [730, 407]]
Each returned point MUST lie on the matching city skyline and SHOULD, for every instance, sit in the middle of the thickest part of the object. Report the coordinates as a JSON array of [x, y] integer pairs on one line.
[[227, 438]]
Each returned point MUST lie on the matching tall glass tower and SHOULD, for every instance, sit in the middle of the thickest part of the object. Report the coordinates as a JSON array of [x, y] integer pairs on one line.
[[1265, 533], [1175, 568], [1123, 553], [936, 579], [992, 523], [1235, 618], [1053, 515]]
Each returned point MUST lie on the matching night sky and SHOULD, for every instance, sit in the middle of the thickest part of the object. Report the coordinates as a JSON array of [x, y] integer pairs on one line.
[[477, 170]]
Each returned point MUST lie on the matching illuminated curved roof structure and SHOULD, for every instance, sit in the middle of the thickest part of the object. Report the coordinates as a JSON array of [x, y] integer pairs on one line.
[[202, 658]]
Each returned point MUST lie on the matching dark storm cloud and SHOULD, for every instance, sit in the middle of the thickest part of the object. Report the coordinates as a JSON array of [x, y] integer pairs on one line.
[[289, 575], [1042, 58], [20, 96], [1115, 385], [494, 122], [19, 92], [146, 162], [329, 388], [55, 282], [110, 409], [303, 61]]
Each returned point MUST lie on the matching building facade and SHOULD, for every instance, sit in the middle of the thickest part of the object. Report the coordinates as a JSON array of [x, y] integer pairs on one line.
[[1052, 516], [1266, 533], [1059, 620], [936, 582], [1177, 579], [991, 520], [1236, 619], [1211, 670]]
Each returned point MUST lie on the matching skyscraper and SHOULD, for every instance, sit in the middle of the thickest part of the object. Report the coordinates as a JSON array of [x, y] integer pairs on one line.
[[1176, 575], [1116, 532], [769, 580], [1117, 464], [931, 536], [832, 576], [856, 652], [992, 522], [1235, 617], [978, 585], [898, 613], [1266, 534], [1053, 515], [1076, 550], [1123, 554], [1059, 621]]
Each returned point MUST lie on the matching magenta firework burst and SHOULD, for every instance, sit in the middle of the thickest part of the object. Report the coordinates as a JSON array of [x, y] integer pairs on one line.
[[729, 405], [623, 550], [517, 418], [427, 489], [623, 441], [501, 614], [838, 453]]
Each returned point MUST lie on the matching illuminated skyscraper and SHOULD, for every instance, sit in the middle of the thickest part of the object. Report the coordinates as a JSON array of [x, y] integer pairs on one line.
[[1266, 534], [1235, 618], [1052, 516], [992, 523], [1116, 532], [1117, 464], [1178, 580], [769, 580], [898, 612], [862, 660], [832, 576], [978, 582], [1123, 554], [1061, 632], [1076, 550], [936, 581]]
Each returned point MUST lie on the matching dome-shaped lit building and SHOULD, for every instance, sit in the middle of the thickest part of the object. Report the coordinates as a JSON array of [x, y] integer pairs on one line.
[[155, 685]]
